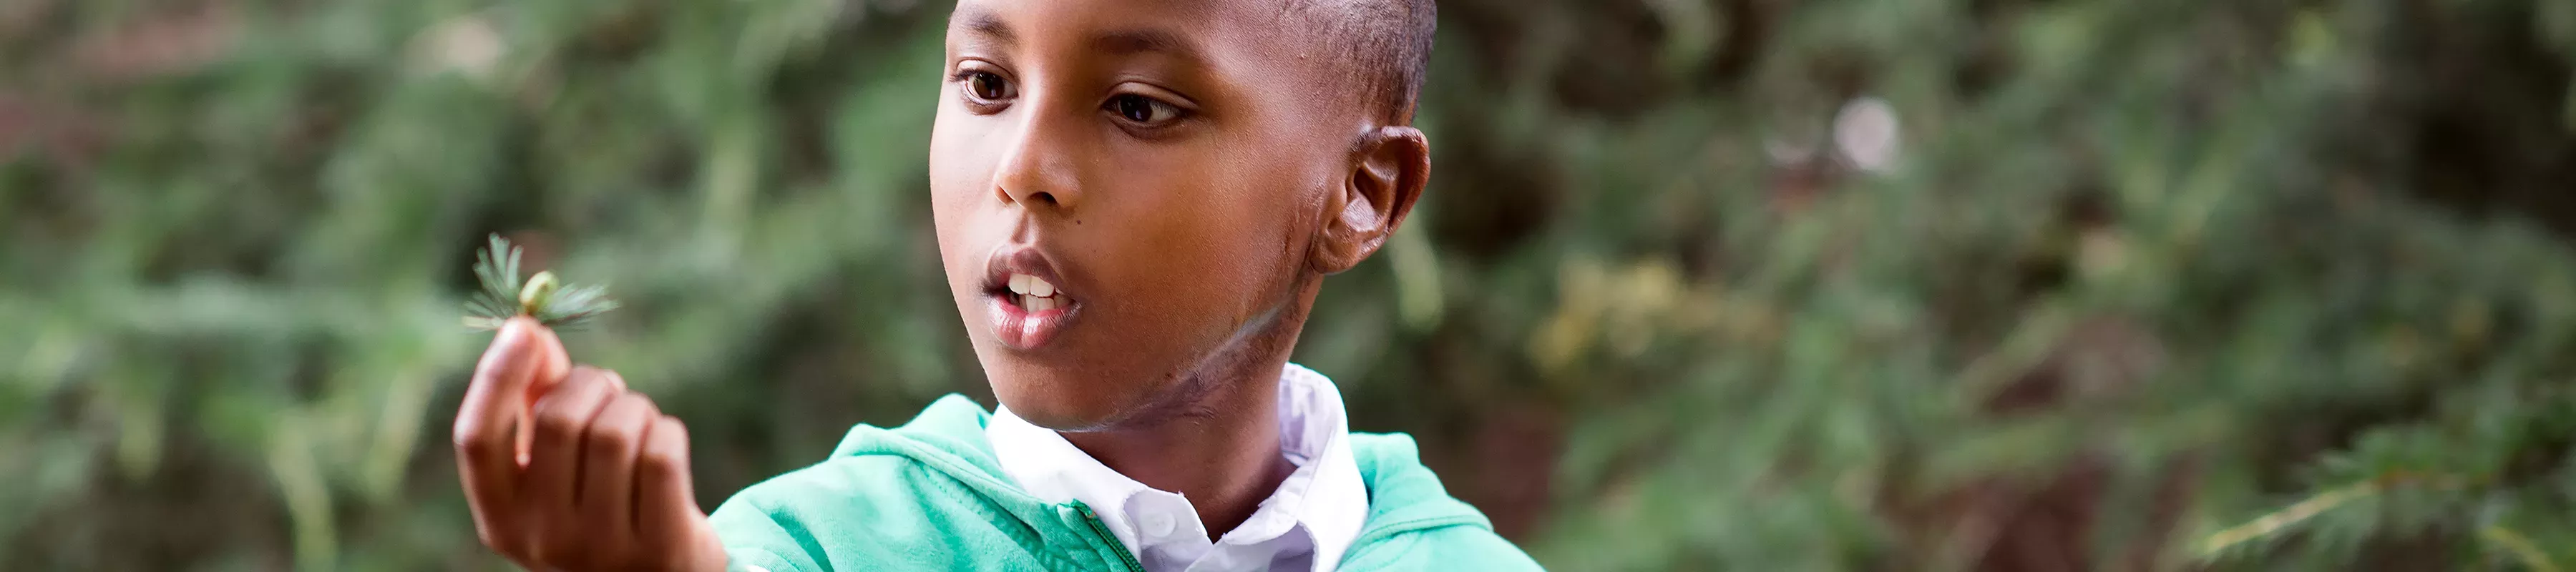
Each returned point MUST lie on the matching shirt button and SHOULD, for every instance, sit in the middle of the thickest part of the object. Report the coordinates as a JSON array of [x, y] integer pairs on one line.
[[1158, 524]]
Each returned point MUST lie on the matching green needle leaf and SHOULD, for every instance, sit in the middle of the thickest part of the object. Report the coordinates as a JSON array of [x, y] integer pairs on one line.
[[551, 302]]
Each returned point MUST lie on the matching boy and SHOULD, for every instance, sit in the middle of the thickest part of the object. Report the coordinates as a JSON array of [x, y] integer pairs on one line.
[[1136, 201]]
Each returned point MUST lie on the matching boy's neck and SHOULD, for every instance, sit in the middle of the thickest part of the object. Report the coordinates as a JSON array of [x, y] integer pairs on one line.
[[1221, 449], [1225, 463]]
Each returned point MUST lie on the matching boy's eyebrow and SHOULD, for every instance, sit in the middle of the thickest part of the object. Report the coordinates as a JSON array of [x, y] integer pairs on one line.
[[1128, 42], [1115, 42], [991, 26]]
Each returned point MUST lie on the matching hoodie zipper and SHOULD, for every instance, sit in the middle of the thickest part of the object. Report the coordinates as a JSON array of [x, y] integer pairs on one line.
[[1124, 555]]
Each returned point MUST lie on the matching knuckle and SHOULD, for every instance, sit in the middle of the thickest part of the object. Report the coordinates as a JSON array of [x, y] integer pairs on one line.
[[608, 441], [666, 455], [478, 444], [470, 438], [558, 424], [660, 462], [592, 376], [664, 462], [678, 432], [642, 404]]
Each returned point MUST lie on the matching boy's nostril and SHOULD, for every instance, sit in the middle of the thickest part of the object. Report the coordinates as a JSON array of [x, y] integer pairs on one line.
[[1042, 197]]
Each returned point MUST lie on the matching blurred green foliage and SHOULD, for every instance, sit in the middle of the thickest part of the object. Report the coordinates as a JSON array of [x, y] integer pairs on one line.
[[1721, 284]]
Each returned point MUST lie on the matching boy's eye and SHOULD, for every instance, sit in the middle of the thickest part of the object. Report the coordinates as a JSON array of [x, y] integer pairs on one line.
[[984, 86], [1141, 110]]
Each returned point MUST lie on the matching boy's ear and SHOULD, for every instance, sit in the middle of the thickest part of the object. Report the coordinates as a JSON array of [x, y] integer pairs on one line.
[[1392, 165]]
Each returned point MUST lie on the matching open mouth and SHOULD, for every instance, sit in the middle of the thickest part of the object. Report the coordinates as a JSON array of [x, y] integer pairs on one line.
[[1035, 294], [1027, 303]]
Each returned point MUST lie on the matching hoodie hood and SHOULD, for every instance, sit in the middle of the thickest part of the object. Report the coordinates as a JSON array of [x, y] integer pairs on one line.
[[948, 436], [931, 495]]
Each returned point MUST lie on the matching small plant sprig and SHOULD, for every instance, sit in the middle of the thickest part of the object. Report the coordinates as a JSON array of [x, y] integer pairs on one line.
[[542, 297]]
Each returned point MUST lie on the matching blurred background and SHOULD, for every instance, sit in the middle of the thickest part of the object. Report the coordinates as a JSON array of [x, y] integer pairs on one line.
[[1699, 285]]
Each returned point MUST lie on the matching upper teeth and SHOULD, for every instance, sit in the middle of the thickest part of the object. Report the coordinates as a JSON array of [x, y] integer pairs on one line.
[[1031, 285]]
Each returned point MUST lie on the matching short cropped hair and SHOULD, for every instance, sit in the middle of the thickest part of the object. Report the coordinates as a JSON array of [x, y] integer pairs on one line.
[[1385, 46]]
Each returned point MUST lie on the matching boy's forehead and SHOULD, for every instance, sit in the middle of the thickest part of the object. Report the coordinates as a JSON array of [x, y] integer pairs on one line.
[[1177, 27], [1265, 54]]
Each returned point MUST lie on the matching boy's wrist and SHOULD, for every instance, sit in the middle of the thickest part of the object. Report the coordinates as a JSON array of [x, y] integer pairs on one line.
[[708, 553]]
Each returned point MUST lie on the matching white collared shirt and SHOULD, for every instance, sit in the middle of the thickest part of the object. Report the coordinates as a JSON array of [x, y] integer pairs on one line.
[[1305, 525]]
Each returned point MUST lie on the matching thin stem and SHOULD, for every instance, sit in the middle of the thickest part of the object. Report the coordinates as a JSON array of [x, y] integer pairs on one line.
[[2275, 521]]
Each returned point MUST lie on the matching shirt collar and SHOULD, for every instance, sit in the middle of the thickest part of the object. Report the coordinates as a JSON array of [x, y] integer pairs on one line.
[[1315, 513]]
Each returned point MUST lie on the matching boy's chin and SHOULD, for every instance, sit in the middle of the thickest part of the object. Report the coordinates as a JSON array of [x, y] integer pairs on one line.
[[1059, 401]]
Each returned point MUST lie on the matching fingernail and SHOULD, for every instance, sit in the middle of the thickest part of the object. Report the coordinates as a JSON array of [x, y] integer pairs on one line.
[[517, 331]]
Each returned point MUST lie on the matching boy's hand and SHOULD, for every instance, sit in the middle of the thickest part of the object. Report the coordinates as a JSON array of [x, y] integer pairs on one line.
[[567, 470]]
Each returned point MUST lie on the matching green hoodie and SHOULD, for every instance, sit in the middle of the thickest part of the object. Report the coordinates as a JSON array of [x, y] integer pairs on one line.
[[931, 496]]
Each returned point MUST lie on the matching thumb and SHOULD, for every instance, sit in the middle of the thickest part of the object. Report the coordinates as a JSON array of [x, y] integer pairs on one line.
[[552, 363]]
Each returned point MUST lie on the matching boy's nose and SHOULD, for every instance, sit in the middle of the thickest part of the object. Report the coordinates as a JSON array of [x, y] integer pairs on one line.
[[1040, 171]]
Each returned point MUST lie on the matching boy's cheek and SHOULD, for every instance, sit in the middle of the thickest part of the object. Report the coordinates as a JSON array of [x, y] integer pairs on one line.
[[958, 160], [958, 177], [953, 222]]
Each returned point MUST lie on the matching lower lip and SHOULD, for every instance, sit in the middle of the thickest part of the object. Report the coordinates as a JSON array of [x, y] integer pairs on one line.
[[1020, 328]]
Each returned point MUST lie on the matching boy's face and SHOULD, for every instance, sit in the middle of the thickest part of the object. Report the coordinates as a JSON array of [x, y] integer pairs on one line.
[[1126, 192]]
